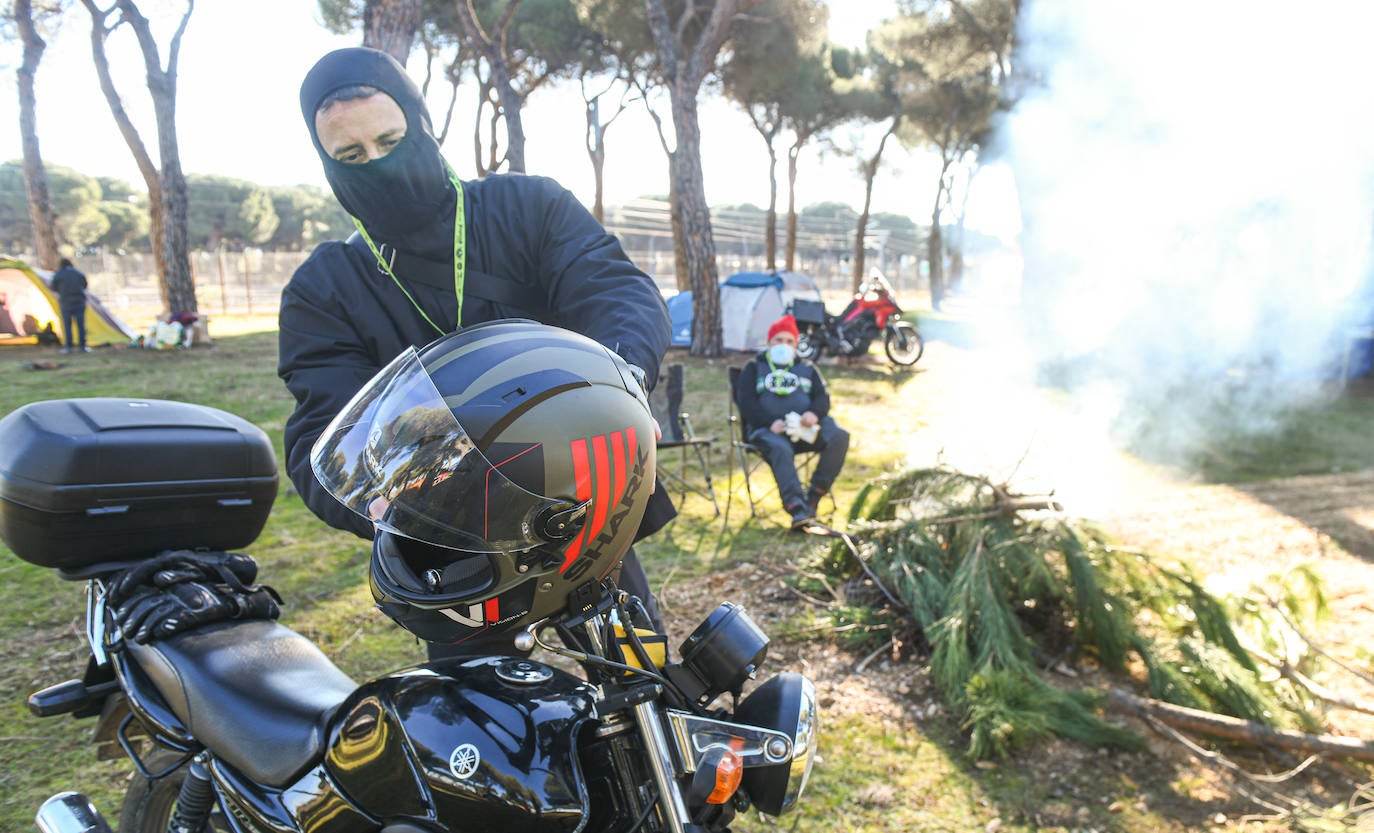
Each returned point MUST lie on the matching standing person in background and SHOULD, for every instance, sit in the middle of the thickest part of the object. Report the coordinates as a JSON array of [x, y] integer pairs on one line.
[[432, 254], [786, 409], [70, 285]]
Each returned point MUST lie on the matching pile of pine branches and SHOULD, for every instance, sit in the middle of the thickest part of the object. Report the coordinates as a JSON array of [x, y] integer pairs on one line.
[[1000, 587]]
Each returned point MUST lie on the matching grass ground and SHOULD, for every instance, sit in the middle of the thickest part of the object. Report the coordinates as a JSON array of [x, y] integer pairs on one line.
[[883, 770]]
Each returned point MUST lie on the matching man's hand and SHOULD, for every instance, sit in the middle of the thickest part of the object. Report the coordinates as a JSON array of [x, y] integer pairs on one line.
[[809, 419], [778, 427]]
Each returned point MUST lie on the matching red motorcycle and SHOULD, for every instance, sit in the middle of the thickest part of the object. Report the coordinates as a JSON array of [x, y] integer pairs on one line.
[[872, 313]]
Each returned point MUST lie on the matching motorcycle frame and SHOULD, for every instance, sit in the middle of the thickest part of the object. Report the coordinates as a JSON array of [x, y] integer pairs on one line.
[[672, 740]]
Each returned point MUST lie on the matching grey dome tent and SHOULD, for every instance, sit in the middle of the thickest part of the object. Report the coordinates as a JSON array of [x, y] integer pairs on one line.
[[749, 303], [795, 285]]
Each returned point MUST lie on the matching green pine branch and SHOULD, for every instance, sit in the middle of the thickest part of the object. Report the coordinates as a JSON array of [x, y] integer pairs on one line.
[[992, 588]]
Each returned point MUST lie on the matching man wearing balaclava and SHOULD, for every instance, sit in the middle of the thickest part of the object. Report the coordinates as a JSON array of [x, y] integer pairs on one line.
[[785, 408], [433, 253]]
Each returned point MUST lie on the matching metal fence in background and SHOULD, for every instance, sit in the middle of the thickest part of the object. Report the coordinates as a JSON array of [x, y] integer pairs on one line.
[[250, 282], [227, 283]]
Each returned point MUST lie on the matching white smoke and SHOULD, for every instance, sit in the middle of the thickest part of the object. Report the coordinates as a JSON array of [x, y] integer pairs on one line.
[[1197, 191]]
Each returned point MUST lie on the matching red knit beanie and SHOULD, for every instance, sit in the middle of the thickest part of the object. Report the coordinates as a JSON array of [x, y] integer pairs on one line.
[[786, 324]]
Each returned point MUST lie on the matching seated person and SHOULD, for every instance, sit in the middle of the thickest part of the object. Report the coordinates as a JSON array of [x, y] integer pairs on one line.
[[772, 386]]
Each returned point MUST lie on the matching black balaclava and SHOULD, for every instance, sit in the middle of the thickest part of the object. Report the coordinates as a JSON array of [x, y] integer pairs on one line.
[[405, 198]]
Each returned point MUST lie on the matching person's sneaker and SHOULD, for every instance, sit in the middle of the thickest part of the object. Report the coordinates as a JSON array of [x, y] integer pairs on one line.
[[813, 499], [801, 515], [85, 349], [65, 351]]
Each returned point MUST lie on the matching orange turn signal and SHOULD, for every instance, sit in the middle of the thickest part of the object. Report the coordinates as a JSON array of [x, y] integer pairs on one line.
[[729, 773]]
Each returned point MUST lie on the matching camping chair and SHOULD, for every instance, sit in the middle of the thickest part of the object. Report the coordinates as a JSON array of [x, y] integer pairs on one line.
[[678, 434], [750, 459]]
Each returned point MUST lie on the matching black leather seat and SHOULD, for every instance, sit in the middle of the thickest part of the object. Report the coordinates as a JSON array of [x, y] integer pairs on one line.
[[256, 693]]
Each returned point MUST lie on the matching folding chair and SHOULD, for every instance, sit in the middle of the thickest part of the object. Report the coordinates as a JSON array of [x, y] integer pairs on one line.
[[750, 458], [678, 434]]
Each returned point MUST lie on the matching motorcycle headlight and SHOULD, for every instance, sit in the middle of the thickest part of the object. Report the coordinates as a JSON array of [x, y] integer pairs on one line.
[[786, 703]]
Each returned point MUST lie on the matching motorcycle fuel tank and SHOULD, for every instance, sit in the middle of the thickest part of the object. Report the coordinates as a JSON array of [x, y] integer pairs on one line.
[[486, 745]]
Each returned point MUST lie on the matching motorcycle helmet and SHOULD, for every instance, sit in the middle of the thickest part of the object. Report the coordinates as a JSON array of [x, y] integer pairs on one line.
[[502, 467]]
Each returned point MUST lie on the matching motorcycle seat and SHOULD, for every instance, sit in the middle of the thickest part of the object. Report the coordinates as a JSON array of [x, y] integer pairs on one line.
[[256, 693]]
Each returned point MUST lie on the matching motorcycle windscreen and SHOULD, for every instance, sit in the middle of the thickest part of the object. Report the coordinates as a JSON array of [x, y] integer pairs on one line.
[[397, 456]]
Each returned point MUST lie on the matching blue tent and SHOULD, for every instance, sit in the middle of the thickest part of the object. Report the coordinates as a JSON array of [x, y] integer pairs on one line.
[[680, 313], [753, 279]]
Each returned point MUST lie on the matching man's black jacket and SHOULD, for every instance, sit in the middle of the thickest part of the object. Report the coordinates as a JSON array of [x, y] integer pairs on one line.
[[343, 319], [70, 285]]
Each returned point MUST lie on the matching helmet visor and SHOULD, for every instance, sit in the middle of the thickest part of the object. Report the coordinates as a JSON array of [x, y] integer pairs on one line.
[[397, 456]]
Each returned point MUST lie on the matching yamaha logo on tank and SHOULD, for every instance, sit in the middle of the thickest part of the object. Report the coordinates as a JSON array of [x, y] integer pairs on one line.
[[463, 761]]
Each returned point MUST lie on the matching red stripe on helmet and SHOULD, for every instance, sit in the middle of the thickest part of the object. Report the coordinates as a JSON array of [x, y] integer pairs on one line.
[[602, 461], [582, 475], [493, 609]]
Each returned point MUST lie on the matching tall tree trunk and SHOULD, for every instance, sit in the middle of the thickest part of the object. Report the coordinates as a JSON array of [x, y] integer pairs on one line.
[[682, 275], [450, 75], [41, 216], [767, 124], [685, 68], [152, 178], [870, 167], [935, 256], [483, 94], [511, 104], [770, 234], [390, 25], [494, 49], [791, 245], [698, 244], [596, 144], [935, 249], [596, 151], [162, 85], [935, 243]]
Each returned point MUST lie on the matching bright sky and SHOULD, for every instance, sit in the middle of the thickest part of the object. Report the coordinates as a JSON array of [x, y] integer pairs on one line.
[[238, 115]]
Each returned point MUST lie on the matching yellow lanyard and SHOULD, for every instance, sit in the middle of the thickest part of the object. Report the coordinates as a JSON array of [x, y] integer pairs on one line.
[[459, 258]]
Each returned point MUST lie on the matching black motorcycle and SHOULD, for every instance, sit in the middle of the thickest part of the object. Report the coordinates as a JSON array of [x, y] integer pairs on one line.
[[243, 725], [872, 314]]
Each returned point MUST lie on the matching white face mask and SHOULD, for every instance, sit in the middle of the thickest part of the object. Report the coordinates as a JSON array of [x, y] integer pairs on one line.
[[782, 354]]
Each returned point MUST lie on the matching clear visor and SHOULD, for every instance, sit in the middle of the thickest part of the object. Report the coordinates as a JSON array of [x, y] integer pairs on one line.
[[397, 456]]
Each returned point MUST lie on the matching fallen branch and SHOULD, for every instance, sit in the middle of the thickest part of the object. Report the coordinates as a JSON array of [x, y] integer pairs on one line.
[[1002, 510], [891, 646], [804, 597], [854, 551], [1317, 647], [1231, 728], [1327, 695], [1282, 805]]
